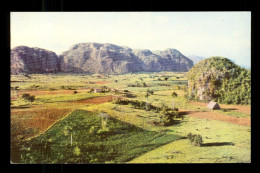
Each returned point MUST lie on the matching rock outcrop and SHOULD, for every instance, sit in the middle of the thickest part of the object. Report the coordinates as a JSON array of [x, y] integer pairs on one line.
[[110, 58], [219, 79], [33, 60], [99, 58]]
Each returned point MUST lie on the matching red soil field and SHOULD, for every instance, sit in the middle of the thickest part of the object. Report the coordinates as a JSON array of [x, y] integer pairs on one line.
[[41, 117], [101, 82], [97, 100], [38, 118], [217, 116], [44, 92]]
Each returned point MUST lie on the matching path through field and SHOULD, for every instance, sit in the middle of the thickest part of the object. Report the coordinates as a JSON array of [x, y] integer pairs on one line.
[[210, 115]]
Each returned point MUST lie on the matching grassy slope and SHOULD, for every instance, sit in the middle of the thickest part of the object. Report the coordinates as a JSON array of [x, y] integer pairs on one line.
[[218, 137], [122, 143], [129, 115]]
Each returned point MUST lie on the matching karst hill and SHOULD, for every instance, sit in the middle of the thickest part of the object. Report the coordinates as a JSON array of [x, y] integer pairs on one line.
[[219, 79], [97, 58]]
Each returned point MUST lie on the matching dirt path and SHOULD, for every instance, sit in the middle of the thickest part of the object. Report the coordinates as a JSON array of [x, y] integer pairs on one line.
[[54, 92], [238, 108], [217, 116]]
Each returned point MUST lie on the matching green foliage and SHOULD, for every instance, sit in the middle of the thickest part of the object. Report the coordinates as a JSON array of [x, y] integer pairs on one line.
[[174, 94], [77, 151], [167, 115], [121, 143], [91, 90], [28, 97], [195, 139], [227, 82], [150, 91]]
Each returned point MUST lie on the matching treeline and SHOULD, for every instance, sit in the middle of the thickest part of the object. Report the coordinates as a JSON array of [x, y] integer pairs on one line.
[[167, 115]]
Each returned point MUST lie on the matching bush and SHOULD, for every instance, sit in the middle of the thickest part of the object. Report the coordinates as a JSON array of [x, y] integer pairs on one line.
[[150, 91], [174, 94], [28, 97], [75, 92], [195, 139], [167, 116]]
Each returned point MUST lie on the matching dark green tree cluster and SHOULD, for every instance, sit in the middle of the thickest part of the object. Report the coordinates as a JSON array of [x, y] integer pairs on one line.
[[227, 82], [28, 97], [195, 139], [167, 114]]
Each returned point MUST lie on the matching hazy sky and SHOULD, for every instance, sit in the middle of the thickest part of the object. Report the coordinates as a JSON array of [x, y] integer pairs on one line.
[[226, 34]]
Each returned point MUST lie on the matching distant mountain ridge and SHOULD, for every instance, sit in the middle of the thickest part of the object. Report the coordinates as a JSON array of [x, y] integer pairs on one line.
[[97, 58], [195, 58]]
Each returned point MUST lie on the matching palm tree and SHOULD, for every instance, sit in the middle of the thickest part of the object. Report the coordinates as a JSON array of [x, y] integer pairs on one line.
[[67, 131], [174, 94], [146, 96], [104, 116]]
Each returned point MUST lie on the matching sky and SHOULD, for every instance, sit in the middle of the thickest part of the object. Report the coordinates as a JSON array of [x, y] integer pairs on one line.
[[206, 34]]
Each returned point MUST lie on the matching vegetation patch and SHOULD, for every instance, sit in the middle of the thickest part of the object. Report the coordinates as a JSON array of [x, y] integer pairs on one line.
[[220, 79], [78, 139]]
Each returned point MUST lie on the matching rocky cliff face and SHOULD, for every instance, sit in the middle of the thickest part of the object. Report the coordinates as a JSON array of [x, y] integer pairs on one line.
[[33, 60], [109, 58], [97, 58]]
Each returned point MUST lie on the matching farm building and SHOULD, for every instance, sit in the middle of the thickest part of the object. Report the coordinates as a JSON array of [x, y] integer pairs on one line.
[[97, 90], [213, 105]]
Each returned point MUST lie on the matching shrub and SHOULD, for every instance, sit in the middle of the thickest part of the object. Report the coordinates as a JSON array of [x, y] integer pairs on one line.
[[167, 116], [75, 92], [28, 97], [91, 90], [150, 91], [195, 139], [174, 94], [93, 129]]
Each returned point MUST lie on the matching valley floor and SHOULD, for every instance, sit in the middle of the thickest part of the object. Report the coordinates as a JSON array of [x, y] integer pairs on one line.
[[226, 133], [222, 143]]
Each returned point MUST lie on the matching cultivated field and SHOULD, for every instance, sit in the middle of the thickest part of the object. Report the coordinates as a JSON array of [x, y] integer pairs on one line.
[[132, 133]]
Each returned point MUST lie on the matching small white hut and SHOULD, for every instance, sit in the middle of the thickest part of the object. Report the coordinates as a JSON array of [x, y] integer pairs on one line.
[[213, 105]]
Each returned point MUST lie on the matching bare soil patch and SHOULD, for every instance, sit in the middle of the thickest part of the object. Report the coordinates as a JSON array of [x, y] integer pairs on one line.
[[97, 100], [45, 92], [101, 82], [37, 118], [217, 116], [238, 108]]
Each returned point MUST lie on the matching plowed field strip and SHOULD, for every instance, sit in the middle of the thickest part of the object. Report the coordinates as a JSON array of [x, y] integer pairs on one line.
[[218, 116]]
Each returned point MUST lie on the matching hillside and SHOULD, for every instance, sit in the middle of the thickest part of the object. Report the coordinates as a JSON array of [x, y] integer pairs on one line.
[[80, 138], [220, 79], [97, 58]]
